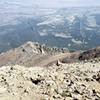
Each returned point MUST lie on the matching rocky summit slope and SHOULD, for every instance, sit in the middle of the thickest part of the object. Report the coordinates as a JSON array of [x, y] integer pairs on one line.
[[77, 81]]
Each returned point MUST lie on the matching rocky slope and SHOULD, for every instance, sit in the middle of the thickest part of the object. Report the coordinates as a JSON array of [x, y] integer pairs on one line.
[[77, 81], [90, 54]]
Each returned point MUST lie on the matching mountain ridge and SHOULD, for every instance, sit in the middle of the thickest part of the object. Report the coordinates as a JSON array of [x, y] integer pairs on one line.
[[31, 53]]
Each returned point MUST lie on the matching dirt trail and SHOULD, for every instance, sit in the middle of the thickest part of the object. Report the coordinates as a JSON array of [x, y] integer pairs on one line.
[[51, 59], [33, 60]]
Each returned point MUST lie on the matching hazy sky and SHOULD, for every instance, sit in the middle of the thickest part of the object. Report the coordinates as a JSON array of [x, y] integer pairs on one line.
[[65, 3], [57, 3]]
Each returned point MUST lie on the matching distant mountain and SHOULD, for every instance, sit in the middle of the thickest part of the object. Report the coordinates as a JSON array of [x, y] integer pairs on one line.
[[72, 28]]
